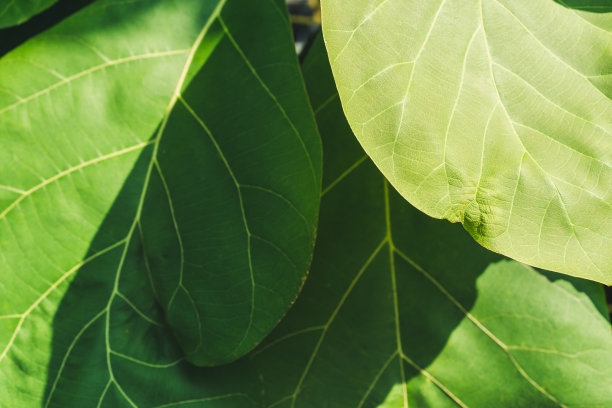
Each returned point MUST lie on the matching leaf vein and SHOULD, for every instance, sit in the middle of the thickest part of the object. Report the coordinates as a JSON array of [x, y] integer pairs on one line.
[[71, 78]]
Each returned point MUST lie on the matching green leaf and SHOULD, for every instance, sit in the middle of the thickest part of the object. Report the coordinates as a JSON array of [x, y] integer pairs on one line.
[[594, 6], [229, 218], [402, 310], [14, 12], [150, 144], [492, 113]]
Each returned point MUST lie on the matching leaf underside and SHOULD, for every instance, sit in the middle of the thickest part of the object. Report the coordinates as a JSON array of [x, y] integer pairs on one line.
[[493, 113]]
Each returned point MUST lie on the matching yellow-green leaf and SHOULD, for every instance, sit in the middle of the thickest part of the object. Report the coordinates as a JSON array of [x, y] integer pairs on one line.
[[493, 113]]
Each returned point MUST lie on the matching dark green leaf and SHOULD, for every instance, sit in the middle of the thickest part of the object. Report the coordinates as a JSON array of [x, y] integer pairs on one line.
[[402, 310], [592, 6], [14, 12], [229, 218]]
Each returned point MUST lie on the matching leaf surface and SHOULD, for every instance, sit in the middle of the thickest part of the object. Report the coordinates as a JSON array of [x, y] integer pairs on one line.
[[402, 310], [159, 190], [235, 183], [492, 113], [14, 12]]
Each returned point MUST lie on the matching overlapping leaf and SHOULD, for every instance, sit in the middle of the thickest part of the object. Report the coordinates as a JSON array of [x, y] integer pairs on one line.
[[235, 185], [17, 11], [493, 113], [402, 310], [150, 144]]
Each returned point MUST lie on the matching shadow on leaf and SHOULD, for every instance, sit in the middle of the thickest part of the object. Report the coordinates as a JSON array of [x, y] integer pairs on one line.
[[110, 340]]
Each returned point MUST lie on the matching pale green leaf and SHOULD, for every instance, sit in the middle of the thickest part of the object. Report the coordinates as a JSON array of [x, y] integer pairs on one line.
[[493, 113]]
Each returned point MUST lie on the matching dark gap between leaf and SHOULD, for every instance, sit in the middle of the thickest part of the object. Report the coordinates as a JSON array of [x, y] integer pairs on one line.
[[13, 37]]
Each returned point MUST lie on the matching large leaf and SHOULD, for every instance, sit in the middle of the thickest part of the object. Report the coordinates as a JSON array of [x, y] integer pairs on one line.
[[493, 113], [229, 218], [17, 11], [401, 310], [150, 143]]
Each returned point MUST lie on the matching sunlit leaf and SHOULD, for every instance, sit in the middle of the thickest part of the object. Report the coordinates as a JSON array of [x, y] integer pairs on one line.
[[493, 113]]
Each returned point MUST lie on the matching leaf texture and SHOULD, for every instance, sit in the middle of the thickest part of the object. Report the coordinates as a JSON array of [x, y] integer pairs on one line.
[[402, 310], [159, 190], [492, 113]]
